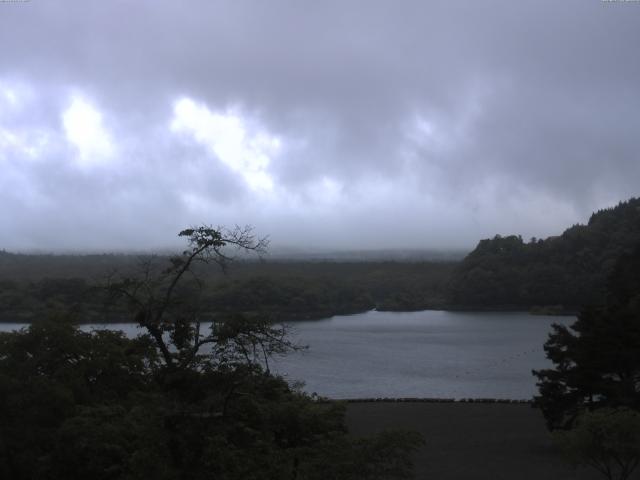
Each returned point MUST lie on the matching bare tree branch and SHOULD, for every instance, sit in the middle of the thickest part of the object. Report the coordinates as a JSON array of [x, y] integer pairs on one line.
[[157, 303]]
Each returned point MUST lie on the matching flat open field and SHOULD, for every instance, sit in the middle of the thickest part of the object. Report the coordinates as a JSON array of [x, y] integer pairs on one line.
[[478, 441]]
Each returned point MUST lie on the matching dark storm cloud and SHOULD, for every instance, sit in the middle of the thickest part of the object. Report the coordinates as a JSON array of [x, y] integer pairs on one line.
[[355, 123]]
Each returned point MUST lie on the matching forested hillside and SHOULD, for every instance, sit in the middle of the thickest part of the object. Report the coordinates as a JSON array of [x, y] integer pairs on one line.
[[32, 286], [557, 274]]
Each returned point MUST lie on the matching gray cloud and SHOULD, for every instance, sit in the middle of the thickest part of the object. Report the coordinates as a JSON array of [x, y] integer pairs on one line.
[[384, 124]]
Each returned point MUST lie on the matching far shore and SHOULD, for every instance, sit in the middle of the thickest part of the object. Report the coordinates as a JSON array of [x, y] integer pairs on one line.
[[28, 318]]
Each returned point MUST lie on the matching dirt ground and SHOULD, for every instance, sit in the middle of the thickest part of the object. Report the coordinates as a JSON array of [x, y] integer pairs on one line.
[[478, 441]]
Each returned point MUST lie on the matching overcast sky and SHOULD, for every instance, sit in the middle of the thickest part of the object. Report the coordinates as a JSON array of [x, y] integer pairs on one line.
[[337, 124]]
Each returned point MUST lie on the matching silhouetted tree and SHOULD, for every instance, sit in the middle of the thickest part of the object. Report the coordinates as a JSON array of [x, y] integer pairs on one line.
[[165, 302], [596, 360], [79, 405]]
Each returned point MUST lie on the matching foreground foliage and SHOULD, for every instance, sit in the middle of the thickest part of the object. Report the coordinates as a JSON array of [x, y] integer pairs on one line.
[[606, 439], [180, 401], [80, 405], [591, 399], [596, 360]]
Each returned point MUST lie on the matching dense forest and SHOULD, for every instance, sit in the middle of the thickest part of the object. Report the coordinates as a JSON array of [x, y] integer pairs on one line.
[[31, 285], [555, 275]]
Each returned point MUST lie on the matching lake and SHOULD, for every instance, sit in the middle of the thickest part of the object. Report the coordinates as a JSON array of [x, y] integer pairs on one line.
[[414, 354]]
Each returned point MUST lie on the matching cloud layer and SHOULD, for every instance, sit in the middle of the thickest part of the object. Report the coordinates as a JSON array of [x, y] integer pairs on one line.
[[360, 124]]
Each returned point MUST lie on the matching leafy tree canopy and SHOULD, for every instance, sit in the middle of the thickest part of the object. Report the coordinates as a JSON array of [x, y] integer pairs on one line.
[[606, 439], [564, 272], [596, 360]]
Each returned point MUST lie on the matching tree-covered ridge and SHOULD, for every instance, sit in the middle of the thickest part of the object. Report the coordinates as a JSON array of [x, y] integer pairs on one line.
[[31, 285], [559, 273]]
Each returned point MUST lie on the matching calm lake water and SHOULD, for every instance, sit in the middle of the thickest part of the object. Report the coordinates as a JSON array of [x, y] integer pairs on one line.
[[414, 354]]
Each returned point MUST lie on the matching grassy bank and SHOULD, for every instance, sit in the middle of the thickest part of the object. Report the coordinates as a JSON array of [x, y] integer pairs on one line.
[[478, 441]]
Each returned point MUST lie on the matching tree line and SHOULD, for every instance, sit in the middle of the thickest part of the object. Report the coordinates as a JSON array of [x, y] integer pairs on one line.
[[286, 290], [558, 274]]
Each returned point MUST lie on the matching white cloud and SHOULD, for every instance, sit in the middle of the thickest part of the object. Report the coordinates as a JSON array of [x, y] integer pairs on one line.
[[13, 96], [84, 129], [229, 136], [10, 96], [16, 142], [25, 145]]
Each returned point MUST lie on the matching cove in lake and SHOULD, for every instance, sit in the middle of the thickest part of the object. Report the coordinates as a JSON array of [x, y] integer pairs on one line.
[[414, 354]]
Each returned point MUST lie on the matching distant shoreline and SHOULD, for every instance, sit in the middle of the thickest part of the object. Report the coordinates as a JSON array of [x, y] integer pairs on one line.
[[426, 400], [316, 316], [21, 318]]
